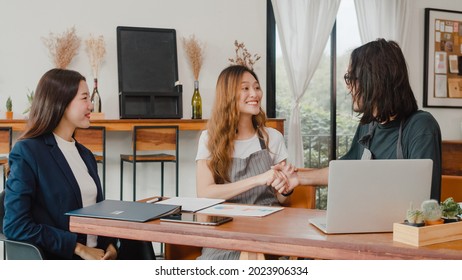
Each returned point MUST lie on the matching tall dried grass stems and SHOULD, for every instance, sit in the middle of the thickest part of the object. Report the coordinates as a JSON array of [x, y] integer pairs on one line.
[[62, 47], [243, 57], [195, 52], [96, 49]]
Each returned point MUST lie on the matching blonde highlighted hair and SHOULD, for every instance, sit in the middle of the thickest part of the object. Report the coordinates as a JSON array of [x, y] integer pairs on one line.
[[223, 123]]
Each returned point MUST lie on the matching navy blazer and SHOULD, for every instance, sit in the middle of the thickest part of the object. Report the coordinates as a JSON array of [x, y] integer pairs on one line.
[[40, 189]]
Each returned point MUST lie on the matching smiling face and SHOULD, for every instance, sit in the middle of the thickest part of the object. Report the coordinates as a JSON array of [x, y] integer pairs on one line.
[[77, 114], [250, 95]]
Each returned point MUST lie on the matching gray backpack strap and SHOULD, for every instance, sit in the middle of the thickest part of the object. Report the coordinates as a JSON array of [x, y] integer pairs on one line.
[[365, 141], [399, 146]]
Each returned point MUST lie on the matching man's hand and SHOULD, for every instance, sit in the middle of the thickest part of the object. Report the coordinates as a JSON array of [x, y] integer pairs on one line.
[[289, 172]]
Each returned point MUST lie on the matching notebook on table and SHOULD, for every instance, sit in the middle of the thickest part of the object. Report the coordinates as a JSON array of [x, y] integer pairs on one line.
[[371, 195], [126, 210]]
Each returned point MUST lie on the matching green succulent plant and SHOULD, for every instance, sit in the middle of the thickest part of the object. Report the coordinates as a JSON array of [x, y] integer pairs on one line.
[[431, 210], [30, 97], [414, 216], [450, 208], [9, 105]]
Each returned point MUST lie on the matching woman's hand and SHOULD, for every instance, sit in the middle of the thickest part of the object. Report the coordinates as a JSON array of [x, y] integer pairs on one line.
[[111, 253], [272, 177], [89, 253], [289, 172]]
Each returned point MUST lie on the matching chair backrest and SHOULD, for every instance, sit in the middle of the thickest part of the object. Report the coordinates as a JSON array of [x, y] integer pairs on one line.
[[304, 196], [17, 250], [155, 138], [6, 136], [2, 209], [94, 138], [451, 186]]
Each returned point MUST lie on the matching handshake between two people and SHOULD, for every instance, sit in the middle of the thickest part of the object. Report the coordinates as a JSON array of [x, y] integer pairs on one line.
[[283, 177]]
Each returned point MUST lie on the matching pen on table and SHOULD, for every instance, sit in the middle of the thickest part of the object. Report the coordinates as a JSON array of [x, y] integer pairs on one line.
[[155, 199]]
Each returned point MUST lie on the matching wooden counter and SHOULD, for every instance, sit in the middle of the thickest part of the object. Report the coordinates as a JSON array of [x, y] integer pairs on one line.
[[127, 124]]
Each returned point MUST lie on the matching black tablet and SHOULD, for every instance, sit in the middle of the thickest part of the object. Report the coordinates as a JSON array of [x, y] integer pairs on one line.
[[196, 218]]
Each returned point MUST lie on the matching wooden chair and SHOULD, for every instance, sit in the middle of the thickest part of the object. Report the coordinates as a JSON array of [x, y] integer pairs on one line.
[[94, 138], [451, 186], [150, 144], [16, 250], [303, 197], [6, 136], [451, 179]]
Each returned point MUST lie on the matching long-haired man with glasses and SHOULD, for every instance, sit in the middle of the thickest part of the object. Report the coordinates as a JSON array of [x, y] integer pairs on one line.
[[391, 126]]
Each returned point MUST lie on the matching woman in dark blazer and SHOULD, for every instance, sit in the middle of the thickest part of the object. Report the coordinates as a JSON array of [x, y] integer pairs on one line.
[[51, 174]]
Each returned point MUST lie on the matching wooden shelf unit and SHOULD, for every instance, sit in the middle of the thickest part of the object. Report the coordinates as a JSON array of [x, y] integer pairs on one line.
[[127, 124]]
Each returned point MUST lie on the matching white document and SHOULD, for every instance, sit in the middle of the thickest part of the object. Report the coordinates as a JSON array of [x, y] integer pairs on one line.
[[240, 210], [191, 204], [453, 64], [441, 86]]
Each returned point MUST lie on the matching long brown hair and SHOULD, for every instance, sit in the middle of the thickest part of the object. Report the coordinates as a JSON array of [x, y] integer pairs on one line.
[[379, 79], [223, 123], [54, 92]]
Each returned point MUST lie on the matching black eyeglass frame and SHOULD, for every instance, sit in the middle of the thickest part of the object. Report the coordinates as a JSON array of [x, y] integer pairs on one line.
[[349, 78]]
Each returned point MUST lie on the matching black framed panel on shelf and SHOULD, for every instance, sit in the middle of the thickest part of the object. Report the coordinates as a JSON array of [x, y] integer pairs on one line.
[[151, 106], [148, 73]]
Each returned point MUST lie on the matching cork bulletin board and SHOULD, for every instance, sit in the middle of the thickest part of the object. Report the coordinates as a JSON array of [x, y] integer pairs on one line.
[[443, 59]]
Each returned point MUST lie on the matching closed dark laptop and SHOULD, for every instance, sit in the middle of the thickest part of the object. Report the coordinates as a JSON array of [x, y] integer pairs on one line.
[[126, 210]]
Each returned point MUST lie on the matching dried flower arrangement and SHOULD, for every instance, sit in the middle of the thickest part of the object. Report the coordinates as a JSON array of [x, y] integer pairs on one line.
[[195, 52], [243, 57], [96, 49], [62, 47]]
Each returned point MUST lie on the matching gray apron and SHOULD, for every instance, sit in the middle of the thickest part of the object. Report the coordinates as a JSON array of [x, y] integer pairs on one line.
[[257, 163], [366, 142]]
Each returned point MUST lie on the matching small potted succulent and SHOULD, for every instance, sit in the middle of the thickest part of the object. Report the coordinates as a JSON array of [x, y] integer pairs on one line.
[[9, 109], [30, 97], [414, 217], [432, 212], [450, 210]]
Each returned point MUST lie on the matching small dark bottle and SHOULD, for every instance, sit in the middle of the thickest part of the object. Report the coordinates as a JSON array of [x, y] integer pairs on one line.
[[96, 98], [196, 102]]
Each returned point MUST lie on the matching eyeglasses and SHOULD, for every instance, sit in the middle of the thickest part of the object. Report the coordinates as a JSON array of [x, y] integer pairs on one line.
[[348, 78]]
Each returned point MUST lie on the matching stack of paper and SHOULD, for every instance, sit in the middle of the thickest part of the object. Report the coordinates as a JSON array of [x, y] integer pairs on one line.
[[191, 204]]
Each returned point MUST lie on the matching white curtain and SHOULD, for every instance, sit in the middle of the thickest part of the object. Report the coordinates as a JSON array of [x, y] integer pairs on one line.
[[386, 19], [304, 27]]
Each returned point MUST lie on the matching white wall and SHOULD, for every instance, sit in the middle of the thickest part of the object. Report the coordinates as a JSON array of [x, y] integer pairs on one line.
[[217, 23], [450, 120]]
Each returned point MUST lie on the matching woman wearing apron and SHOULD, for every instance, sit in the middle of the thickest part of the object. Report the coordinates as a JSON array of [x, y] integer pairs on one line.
[[235, 154]]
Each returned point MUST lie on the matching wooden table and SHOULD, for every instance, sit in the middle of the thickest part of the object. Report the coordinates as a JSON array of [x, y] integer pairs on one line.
[[127, 124], [286, 233]]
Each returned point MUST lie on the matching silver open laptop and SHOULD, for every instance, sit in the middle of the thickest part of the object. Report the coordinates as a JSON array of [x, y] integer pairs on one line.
[[371, 195]]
